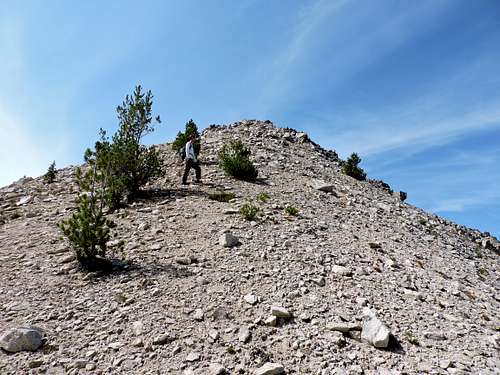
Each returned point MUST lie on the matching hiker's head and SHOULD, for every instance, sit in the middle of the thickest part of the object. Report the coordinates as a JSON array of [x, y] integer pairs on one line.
[[192, 137]]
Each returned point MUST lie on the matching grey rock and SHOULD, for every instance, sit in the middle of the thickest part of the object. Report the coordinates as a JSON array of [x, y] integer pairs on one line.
[[228, 240], [21, 339], [280, 312]]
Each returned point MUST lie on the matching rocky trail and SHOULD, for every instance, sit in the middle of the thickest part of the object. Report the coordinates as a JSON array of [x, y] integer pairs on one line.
[[359, 282]]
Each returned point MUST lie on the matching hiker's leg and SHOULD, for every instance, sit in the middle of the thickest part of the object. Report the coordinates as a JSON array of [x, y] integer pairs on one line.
[[197, 170], [189, 163]]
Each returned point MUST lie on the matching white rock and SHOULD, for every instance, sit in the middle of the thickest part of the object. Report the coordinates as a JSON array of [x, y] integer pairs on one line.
[[341, 270], [216, 369], [138, 328], [374, 331], [21, 339], [244, 334], [193, 357], [250, 299], [270, 369], [322, 186]]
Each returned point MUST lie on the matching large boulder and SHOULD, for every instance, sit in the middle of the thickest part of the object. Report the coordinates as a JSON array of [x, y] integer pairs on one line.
[[21, 339]]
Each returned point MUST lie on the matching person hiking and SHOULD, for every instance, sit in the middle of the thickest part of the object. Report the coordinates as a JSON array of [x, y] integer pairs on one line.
[[191, 161]]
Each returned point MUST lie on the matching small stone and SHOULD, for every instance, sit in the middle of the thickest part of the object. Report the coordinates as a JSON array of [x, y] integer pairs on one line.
[[198, 315], [116, 345], [228, 240], [80, 363], [138, 343], [342, 327], [193, 357], [270, 369], [341, 270], [374, 245], [213, 334], [163, 339], [138, 328], [280, 312], [35, 363], [251, 299], [185, 261], [66, 259], [271, 321], [438, 336], [216, 369], [90, 367], [244, 334]]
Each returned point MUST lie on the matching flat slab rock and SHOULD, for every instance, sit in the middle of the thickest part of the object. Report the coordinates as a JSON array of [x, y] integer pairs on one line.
[[21, 339], [270, 369]]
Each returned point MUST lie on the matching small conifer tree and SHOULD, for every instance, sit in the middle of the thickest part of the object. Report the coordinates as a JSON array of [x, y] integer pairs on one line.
[[50, 176], [350, 167], [88, 229], [182, 138], [125, 164]]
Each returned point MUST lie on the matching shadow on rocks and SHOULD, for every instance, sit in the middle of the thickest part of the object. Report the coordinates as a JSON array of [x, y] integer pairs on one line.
[[148, 268], [158, 195], [395, 346]]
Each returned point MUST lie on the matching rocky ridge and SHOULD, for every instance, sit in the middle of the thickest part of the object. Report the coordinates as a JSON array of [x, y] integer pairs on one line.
[[323, 292]]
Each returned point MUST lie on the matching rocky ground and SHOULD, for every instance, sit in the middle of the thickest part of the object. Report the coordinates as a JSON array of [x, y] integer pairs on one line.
[[295, 291]]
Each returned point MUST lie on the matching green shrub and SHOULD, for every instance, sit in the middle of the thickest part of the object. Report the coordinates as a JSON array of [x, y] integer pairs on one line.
[[350, 167], [88, 229], [221, 196], [50, 176], [234, 159], [293, 211], [124, 163], [411, 338], [249, 211], [182, 138], [263, 197]]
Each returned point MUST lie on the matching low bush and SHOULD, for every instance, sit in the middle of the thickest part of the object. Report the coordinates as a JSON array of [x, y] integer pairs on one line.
[[221, 196], [263, 197], [234, 159], [350, 167], [249, 211], [411, 338], [293, 211], [50, 176]]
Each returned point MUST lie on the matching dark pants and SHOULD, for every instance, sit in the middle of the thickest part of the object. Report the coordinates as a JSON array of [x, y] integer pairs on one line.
[[191, 164]]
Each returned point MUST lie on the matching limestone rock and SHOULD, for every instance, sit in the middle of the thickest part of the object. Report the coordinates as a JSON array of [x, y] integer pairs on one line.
[[374, 332]]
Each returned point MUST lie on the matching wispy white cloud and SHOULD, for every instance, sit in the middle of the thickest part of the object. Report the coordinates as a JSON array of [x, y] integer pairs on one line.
[[411, 133]]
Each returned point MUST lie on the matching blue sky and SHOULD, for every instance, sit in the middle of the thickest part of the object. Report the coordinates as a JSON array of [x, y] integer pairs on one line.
[[412, 86]]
